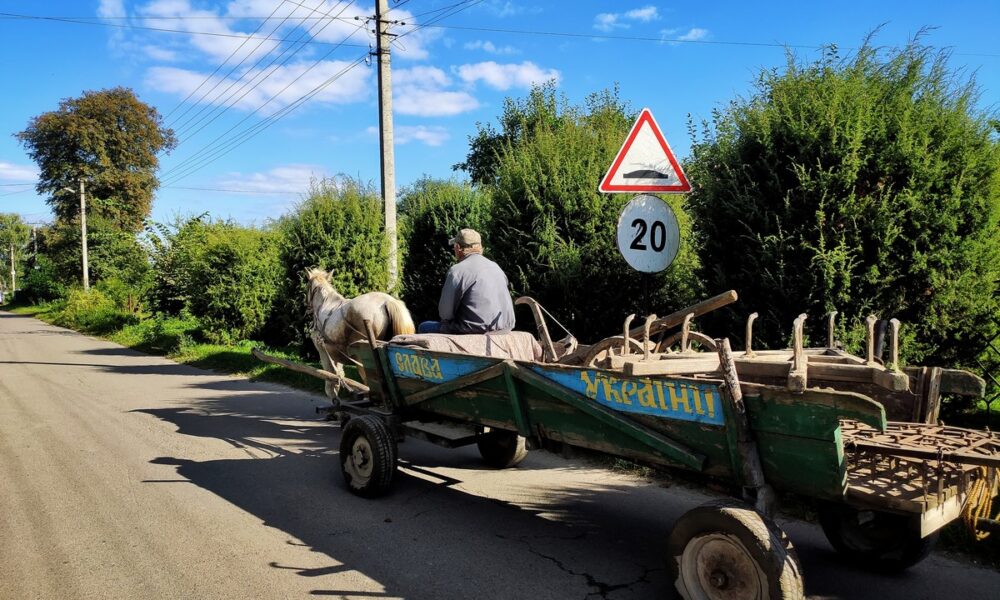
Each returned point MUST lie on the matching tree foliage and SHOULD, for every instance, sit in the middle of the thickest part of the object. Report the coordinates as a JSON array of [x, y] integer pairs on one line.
[[111, 140], [431, 212], [338, 227], [867, 184], [14, 235], [550, 229]]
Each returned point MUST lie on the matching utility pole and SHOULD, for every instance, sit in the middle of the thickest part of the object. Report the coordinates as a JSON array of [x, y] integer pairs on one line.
[[384, 40], [13, 273], [83, 236]]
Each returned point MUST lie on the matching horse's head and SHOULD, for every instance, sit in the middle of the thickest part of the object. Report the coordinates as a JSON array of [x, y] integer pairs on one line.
[[320, 288]]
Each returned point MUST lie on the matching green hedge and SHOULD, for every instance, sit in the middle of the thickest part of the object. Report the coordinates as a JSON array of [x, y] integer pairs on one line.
[[431, 212]]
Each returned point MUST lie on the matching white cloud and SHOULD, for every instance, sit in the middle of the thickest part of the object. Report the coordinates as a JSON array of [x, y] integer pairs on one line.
[[607, 22], [218, 47], [612, 21], [351, 86], [421, 91], [17, 173], [111, 8], [644, 14], [288, 178], [429, 135], [488, 46], [694, 34], [160, 54], [504, 9], [506, 76]]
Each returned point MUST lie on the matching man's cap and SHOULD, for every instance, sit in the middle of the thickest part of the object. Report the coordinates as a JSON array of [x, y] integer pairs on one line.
[[467, 238]]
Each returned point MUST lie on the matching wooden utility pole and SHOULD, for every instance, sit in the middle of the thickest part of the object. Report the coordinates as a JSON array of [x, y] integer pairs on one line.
[[384, 39], [83, 236]]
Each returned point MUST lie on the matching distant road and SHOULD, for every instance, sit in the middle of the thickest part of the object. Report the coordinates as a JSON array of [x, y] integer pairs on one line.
[[129, 476]]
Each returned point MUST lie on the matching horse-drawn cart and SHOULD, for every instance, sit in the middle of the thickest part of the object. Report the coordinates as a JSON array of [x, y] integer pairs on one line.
[[807, 422]]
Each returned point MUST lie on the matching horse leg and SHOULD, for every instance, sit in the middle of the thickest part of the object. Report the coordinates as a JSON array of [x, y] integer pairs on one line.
[[332, 388]]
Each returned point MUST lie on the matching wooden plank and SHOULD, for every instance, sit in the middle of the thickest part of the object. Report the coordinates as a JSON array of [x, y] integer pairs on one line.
[[671, 366], [963, 383], [354, 386], [676, 318], [932, 396], [448, 387]]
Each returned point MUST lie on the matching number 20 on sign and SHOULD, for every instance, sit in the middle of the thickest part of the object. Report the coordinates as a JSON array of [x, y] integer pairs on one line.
[[648, 234]]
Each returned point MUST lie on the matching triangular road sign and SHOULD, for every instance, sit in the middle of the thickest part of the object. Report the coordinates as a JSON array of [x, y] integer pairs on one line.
[[645, 162]]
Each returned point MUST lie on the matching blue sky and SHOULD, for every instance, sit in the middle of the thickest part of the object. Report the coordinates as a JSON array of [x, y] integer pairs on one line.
[[453, 67]]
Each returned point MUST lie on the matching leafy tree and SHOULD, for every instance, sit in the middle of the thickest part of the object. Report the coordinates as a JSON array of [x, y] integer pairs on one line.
[[112, 253], [174, 249], [13, 237], [866, 184], [431, 212], [338, 227], [550, 229], [111, 140]]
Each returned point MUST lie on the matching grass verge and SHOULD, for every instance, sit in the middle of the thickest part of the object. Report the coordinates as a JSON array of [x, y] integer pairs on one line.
[[178, 338]]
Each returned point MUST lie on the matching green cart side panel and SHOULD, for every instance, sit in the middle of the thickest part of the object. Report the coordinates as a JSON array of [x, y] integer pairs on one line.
[[798, 436]]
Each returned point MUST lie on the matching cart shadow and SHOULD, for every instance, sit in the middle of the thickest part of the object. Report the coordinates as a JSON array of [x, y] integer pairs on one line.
[[442, 533]]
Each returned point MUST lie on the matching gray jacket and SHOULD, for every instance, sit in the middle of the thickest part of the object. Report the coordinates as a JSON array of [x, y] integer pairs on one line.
[[475, 298]]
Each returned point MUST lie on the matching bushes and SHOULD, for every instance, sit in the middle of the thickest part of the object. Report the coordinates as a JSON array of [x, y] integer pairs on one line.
[[868, 185], [41, 282], [430, 213], [234, 278], [339, 227], [92, 311]]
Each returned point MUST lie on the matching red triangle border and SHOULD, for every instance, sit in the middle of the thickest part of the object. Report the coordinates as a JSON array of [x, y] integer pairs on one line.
[[644, 117]]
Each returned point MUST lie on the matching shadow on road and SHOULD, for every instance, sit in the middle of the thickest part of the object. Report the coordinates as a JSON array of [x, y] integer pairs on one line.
[[602, 539]]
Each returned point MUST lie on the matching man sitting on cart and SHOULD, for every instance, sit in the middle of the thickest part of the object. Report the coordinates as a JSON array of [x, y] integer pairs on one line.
[[475, 298]]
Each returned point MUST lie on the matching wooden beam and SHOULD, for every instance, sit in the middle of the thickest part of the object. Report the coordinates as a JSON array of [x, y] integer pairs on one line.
[[676, 318], [354, 386], [454, 385]]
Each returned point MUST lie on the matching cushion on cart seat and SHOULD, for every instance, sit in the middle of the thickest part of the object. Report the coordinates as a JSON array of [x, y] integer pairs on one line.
[[518, 345]]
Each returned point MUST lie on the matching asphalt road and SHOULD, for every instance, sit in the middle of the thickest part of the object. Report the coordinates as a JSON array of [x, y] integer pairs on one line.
[[124, 475]]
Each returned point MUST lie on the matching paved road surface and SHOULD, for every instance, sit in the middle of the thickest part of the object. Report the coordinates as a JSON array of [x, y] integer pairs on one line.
[[128, 476]]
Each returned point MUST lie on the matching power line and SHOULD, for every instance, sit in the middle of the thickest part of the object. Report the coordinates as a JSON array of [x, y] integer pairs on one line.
[[208, 148], [230, 57], [569, 34], [258, 83], [256, 129], [161, 29], [229, 191]]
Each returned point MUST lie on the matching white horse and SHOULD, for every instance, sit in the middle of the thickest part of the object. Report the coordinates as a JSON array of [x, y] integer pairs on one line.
[[338, 322]]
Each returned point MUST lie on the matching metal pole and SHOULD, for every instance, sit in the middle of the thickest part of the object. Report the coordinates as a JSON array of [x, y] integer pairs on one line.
[[384, 39], [13, 273], [83, 237]]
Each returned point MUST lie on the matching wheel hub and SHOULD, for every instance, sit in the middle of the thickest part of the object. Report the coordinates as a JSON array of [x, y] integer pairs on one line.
[[719, 567], [359, 463]]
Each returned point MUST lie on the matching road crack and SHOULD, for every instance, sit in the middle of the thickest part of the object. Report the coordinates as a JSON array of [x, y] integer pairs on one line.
[[602, 589]]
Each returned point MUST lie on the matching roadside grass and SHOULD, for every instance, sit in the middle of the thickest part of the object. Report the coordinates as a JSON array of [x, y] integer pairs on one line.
[[178, 338]]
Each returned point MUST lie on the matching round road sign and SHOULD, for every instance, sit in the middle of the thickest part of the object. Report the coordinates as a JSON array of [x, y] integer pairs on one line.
[[648, 234]]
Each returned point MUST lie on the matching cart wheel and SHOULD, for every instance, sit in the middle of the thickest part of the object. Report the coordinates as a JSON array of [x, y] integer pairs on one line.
[[727, 551], [500, 448], [367, 456], [875, 540]]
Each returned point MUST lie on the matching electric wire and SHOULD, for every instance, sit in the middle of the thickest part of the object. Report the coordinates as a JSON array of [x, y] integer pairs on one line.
[[229, 58], [258, 128], [185, 128], [208, 149]]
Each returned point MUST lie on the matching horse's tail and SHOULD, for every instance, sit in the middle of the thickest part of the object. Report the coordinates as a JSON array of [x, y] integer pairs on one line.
[[402, 322]]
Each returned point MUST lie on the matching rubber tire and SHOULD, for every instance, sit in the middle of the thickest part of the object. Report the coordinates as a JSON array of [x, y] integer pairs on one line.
[[383, 455], [888, 543], [501, 449], [763, 541]]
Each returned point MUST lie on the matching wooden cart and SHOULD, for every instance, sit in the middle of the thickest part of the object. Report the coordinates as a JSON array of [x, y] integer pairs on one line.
[[803, 421]]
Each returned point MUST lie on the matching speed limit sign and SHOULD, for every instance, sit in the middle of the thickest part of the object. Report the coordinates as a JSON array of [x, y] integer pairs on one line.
[[648, 234]]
